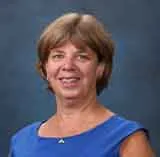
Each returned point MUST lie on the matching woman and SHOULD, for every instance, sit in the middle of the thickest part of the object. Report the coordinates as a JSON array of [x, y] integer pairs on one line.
[[75, 58]]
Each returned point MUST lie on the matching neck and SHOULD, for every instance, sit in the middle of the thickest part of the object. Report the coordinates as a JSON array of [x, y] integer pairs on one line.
[[74, 107], [79, 120]]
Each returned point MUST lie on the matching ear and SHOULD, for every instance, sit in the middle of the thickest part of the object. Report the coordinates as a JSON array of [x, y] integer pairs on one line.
[[100, 70], [40, 69]]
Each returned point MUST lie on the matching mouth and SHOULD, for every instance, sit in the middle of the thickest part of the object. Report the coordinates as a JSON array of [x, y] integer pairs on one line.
[[69, 81]]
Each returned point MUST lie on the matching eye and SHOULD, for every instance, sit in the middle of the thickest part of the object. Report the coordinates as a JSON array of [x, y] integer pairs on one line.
[[83, 57], [57, 56]]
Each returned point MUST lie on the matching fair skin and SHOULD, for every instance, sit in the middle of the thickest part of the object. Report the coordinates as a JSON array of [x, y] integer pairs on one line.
[[136, 145], [72, 74]]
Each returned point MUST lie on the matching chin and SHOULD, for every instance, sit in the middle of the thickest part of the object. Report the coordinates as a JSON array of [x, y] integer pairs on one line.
[[71, 94]]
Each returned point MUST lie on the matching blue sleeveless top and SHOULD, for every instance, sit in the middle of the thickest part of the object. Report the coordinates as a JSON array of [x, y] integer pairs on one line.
[[102, 141]]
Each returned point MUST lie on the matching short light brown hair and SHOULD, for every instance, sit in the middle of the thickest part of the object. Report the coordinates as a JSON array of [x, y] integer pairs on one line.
[[82, 30]]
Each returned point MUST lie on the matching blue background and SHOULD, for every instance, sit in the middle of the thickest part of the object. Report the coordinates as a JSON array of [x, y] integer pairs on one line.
[[134, 88]]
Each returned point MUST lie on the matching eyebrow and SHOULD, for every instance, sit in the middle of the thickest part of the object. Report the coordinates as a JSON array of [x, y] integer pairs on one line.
[[56, 50]]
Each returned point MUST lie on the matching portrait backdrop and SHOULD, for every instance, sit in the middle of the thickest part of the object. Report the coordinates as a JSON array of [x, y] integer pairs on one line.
[[134, 87]]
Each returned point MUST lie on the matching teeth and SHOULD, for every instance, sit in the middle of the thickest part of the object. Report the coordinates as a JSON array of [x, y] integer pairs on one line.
[[68, 80]]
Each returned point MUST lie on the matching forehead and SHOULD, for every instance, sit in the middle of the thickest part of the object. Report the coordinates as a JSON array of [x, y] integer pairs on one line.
[[70, 46]]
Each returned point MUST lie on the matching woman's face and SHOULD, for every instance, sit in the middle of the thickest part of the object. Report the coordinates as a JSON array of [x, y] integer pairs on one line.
[[72, 72]]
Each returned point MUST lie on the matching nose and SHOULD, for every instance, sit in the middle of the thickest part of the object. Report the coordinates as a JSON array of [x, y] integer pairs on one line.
[[69, 64]]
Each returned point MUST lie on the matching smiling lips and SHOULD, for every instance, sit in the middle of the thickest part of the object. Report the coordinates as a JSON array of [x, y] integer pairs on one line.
[[69, 81]]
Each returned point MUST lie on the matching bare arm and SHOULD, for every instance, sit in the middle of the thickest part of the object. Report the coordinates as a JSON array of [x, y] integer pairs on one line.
[[136, 145]]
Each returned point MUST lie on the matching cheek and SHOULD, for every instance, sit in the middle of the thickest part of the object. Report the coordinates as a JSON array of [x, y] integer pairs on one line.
[[49, 74], [50, 71], [90, 72]]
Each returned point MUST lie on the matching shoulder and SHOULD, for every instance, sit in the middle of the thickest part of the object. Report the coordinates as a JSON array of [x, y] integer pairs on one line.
[[137, 145], [26, 133], [125, 127], [134, 138]]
